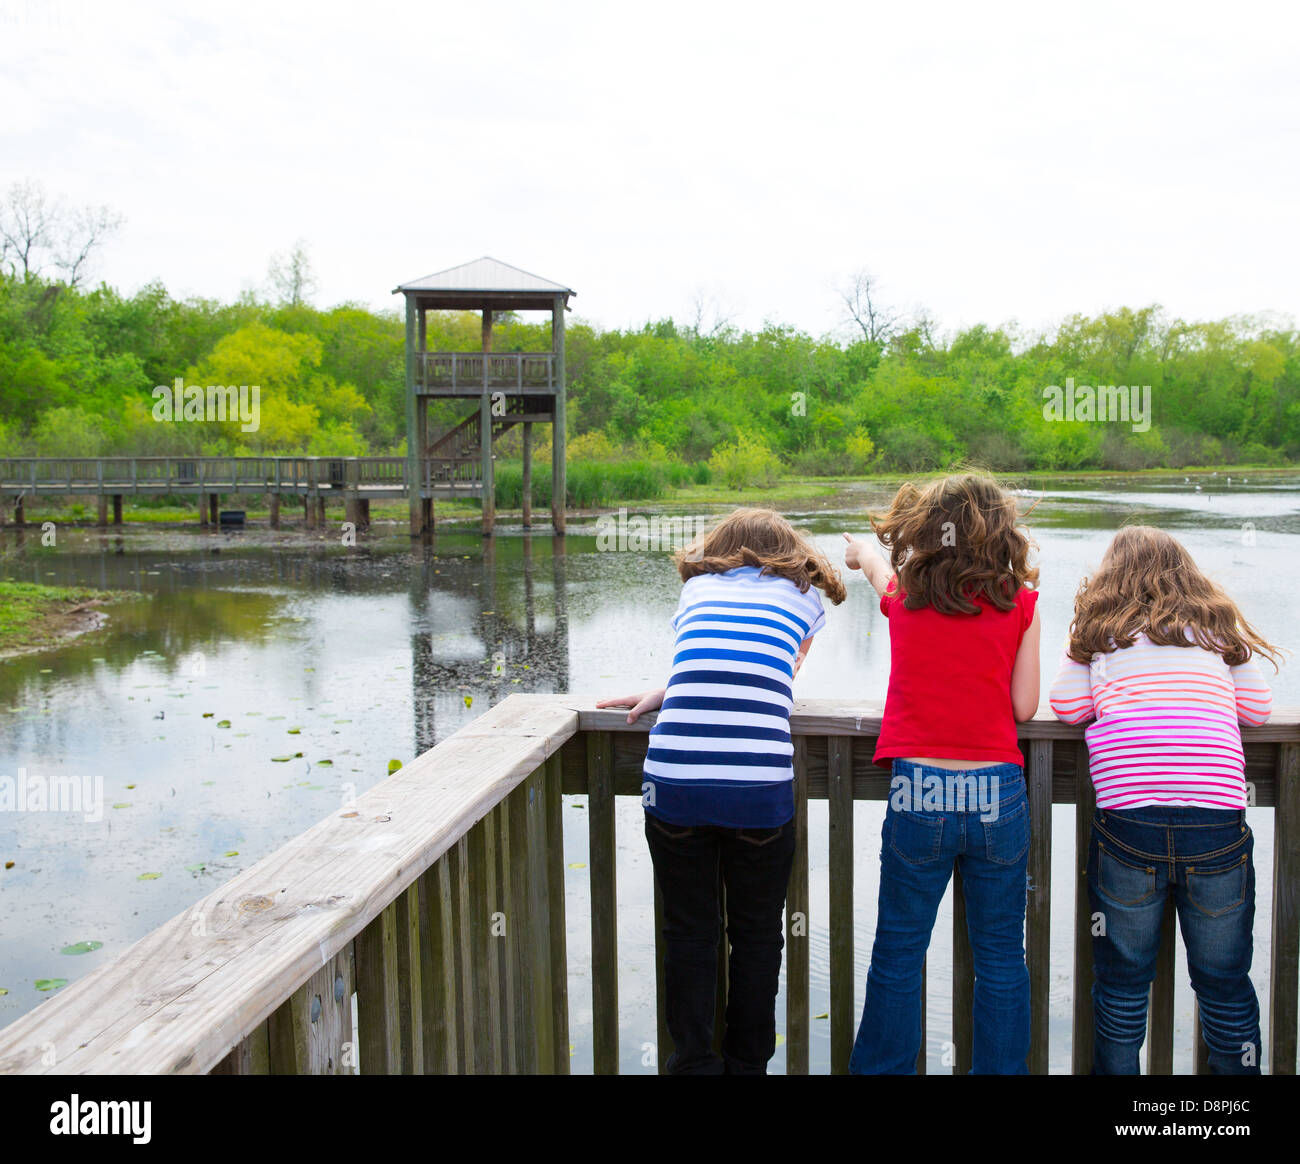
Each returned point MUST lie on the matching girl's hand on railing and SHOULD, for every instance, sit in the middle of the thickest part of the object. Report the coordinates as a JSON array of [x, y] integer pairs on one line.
[[640, 704]]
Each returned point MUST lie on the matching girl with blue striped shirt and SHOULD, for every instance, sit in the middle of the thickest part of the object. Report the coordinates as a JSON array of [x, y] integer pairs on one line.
[[719, 778]]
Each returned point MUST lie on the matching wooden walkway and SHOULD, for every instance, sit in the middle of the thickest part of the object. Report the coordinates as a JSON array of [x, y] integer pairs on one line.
[[313, 481], [394, 899]]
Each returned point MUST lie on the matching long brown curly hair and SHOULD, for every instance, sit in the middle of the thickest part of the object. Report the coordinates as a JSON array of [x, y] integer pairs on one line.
[[1148, 583], [954, 541], [763, 538]]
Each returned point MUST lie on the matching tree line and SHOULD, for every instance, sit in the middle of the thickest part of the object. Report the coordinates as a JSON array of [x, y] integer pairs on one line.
[[78, 366]]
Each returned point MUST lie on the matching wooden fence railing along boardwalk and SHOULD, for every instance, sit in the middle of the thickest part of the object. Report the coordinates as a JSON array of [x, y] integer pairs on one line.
[[399, 897]]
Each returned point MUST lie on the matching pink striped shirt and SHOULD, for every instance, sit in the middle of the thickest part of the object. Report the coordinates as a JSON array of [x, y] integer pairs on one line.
[[1165, 728]]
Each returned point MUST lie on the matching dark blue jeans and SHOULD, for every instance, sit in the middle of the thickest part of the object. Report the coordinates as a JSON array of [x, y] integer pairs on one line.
[[755, 869], [1137, 858], [919, 846]]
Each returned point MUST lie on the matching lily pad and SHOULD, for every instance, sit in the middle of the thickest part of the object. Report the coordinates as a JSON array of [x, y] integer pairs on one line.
[[148, 876], [197, 867], [81, 947], [325, 763], [50, 983], [294, 731], [123, 804], [577, 864], [223, 723], [231, 853], [393, 766]]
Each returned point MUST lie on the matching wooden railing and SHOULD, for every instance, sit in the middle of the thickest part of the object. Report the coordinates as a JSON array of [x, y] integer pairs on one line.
[[116, 475], [438, 899], [470, 372]]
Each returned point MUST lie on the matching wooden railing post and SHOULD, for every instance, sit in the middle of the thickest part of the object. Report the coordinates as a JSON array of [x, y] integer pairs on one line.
[[378, 1017], [438, 969], [604, 917], [556, 914], [1084, 805], [839, 758], [796, 925], [1038, 909], [1284, 960], [542, 1033]]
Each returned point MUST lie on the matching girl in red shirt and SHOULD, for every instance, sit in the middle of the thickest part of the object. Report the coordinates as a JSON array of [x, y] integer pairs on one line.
[[964, 633]]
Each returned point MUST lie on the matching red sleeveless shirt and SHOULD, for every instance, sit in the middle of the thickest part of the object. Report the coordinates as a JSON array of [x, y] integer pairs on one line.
[[950, 681]]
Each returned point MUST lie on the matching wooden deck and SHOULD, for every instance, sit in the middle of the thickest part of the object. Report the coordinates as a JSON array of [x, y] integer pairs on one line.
[[393, 898]]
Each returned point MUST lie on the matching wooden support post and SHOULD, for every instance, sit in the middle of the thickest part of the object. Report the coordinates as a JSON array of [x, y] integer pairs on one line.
[[558, 482], [306, 511], [1038, 913], [308, 1034], [378, 1001], [20, 517], [528, 474], [485, 448], [1084, 804], [487, 330], [555, 895], [506, 957], [438, 969], [486, 995], [101, 516], [427, 515], [275, 511], [365, 512], [410, 967], [320, 514], [604, 918], [1284, 949], [214, 503], [414, 448], [117, 509], [525, 953], [796, 924], [840, 811]]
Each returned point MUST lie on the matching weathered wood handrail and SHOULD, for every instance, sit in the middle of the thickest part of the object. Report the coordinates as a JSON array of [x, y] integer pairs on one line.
[[466, 373], [438, 898], [195, 474]]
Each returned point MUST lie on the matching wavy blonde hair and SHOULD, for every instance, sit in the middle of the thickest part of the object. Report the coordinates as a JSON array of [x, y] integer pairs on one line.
[[762, 538], [1148, 583], [954, 541]]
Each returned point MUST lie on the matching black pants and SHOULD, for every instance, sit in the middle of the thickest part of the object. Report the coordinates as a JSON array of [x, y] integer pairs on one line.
[[755, 868]]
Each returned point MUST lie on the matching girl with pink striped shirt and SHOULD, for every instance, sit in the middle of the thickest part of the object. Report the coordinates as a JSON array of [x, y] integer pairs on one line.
[[1162, 662]]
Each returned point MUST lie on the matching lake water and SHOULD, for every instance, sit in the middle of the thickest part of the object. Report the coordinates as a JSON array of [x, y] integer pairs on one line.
[[359, 655]]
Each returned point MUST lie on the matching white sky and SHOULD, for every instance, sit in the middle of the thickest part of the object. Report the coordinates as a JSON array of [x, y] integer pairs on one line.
[[988, 161]]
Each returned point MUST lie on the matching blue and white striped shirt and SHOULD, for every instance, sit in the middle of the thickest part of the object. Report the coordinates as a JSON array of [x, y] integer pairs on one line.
[[720, 751]]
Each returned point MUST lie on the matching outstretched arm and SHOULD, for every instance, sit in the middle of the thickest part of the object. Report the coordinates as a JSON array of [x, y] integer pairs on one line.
[[860, 555]]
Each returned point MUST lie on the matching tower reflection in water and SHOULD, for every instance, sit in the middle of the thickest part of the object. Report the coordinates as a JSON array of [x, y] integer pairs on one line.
[[488, 619]]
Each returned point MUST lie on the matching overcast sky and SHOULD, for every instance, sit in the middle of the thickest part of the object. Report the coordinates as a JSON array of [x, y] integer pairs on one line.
[[990, 162]]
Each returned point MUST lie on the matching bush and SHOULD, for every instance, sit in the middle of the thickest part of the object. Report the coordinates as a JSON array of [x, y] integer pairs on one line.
[[746, 461], [589, 484]]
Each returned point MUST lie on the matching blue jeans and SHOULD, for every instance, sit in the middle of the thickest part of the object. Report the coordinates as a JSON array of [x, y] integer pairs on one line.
[[919, 844], [1137, 858]]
